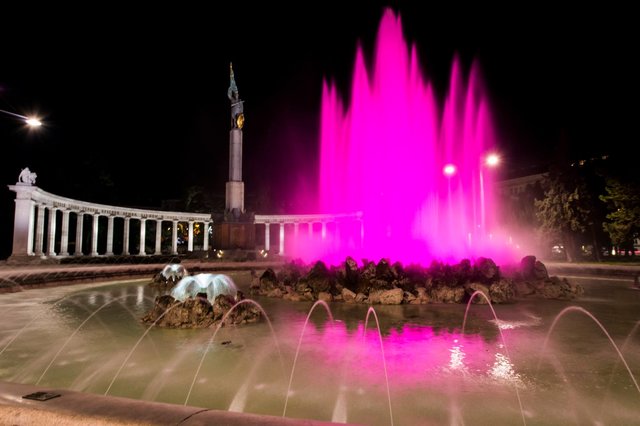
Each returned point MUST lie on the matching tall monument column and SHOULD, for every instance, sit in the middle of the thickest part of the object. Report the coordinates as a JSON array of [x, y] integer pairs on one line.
[[235, 186], [234, 228]]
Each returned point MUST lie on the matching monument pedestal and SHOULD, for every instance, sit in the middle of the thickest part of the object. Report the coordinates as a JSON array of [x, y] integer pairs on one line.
[[234, 233]]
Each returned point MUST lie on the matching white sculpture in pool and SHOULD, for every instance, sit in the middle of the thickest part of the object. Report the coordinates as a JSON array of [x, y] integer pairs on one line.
[[211, 284], [174, 271]]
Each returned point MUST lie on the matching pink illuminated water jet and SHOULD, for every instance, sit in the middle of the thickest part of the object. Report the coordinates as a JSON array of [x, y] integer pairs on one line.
[[384, 155]]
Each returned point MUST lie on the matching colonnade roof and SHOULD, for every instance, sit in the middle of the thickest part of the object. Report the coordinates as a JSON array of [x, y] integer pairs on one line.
[[47, 199], [63, 203]]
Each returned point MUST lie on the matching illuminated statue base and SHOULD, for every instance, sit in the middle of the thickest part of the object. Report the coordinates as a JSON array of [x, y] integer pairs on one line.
[[230, 232]]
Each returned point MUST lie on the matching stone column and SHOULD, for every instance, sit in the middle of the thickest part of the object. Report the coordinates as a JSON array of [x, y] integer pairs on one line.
[[51, 240], [296, 230], [311, 230], [190, 242], [361, 233], [23, 220], [205, 241], [234, 190], [281, 229], [64, 237], [31, 223], [110, 220], [94, 235], [324, 230], [125, 237], [79, 229], [143, 236], [174, 238], [266, 236], [40, 231], [158, 249]]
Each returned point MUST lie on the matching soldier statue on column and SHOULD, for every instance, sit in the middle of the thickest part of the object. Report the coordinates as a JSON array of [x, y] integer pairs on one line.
[[237, 114]]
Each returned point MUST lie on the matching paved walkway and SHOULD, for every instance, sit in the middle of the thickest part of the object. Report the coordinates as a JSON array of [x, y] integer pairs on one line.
[[7, 269], [16, 277], [590, 269]]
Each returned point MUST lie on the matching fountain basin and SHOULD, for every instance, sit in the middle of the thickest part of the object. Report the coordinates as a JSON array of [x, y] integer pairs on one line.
[[76, 408], [437, 373]]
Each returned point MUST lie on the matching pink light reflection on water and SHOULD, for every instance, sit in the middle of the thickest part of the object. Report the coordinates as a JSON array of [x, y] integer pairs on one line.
[[414, 355], [384, 153]]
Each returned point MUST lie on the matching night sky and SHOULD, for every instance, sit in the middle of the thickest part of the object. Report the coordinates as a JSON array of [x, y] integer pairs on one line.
[[136, 112]]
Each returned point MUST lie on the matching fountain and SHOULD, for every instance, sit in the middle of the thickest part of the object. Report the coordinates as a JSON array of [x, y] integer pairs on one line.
[[424, 363], [201, 301], [212, 285], [526, 362], [169, 276], [174, 271], [384, 155]]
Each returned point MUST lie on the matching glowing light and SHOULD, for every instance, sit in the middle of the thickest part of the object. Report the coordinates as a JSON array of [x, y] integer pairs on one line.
[[31, 121], [449, 170], [492, 160]]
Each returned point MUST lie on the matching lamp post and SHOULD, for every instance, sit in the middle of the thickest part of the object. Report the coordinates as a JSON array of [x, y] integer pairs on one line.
[[449, 170], [491, 160], [30, 121]]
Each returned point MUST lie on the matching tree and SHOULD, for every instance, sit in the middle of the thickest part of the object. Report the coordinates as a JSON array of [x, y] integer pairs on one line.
[[523, 204], [623, 202], [564, 211], [197, 199]]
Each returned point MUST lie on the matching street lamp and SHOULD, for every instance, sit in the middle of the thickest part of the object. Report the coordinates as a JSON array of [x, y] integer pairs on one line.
[[30, 121], [449, 170], [491, 160]]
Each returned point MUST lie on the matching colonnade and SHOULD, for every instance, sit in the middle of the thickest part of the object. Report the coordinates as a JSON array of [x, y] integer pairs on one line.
[[307, 221], [48, 225], [43, 223]]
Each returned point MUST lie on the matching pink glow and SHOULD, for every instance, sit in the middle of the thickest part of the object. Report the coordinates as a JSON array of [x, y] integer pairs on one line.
[[414, 355], [385, 153]]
